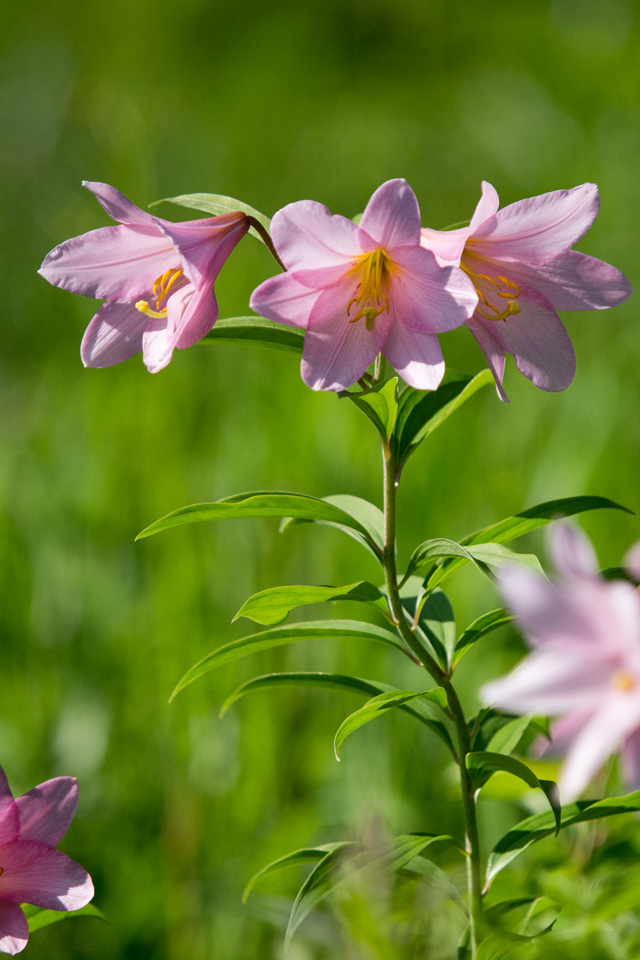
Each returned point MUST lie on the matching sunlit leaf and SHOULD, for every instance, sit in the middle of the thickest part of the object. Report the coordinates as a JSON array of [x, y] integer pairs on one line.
[[437, 621], [380, 404], [507, 738], [483, 764], [543, 825], [261, 504], [478, 629], [38, 917], [274, 605], [421, 710], [365, 516], [381, 704], [295, 858], [292, 633], [216, 204], [257, 331]]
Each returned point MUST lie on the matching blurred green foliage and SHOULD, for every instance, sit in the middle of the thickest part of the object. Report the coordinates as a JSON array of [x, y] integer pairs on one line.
[[272, 103]]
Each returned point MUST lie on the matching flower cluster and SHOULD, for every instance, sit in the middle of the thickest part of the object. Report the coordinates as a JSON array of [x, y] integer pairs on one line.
[[382, 286], [31, 869], [585, 664]]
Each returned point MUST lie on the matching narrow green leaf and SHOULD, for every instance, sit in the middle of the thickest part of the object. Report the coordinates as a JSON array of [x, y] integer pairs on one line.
[[215, 204], [274, 605], [257, 331], [420, 413], [419, 709], [507, 738], [437, 621], [433, 874], [543, 825], [292, 633], [295, 858], [380, 704], [483, 764], [259, 504], [335, 870], [38, 917], [365, 516], [478, 629], [379, 403], [439, 547]]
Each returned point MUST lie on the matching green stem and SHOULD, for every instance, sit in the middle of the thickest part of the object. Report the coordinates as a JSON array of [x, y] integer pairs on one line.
[[268, 242], [443, 679]]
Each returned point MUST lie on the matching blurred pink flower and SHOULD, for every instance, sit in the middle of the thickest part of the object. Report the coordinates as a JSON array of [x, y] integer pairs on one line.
[[31, 869], [523, 268], [585, 663], [362, 290], [157, 279]]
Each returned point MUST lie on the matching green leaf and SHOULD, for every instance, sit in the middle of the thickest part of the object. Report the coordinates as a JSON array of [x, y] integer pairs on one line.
[[484, 556], [216, 204], [274, 605], [38, 917], [379, 403], [483, 764], [478, 629], [419, 709], [516, 526], [439, 547], [421, 867], [507, 738], [364, 516], [334, 871], [420, 413], [257, 331], [543, 825], [278, 636], [295, 858], [261, 504], [378, 705], [438, 623]]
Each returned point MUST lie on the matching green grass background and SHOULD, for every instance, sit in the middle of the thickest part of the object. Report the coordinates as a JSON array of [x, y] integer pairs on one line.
[[268, 102]]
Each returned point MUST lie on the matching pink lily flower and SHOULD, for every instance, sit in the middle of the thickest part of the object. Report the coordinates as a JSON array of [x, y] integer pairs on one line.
[[157, 279], [523, 268], [31, 869], [362, 290], [584, 667]]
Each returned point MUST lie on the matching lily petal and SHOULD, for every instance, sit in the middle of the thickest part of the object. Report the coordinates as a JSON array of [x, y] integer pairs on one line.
[[36, 873], [47, 810], [14, 929], [539, 228], [111, 263], [205, 244], [572, 552], [307, 236], [447, 245], [392, 215], [575, 281], [417, 357], [117, 205], [488, 338], [426, 297], [113, 335], [284, 300], [336, 352]]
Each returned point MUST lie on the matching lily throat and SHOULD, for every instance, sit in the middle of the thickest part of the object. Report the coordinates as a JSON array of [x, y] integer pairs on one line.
[[498, 286], [370, 300]]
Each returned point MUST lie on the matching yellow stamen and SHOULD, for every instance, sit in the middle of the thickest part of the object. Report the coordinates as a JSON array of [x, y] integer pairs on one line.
[[162, 287], [370, 300], [624, 681], [498, 286]]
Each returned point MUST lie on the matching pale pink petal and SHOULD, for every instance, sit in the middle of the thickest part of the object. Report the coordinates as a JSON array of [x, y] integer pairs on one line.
[[117, 205], [200, 314], [204, 245], [487, 206], [336, 352], [14, 929], [9, 818], [550, 681], [36, 873], [565, 730], [417, 357], [575, 281], [426, 297], [487, 335], [445, 245], [540, 228], [284, 300], [161, 334], [572, 552], [48, 809], [392, 215], [114, 335], [307, 236], [632, 561], [539, 344], [111, 263], [617, 717]]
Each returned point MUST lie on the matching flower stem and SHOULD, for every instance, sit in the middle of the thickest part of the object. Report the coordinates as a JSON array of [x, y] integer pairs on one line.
[[268, 242], [443, 679]]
